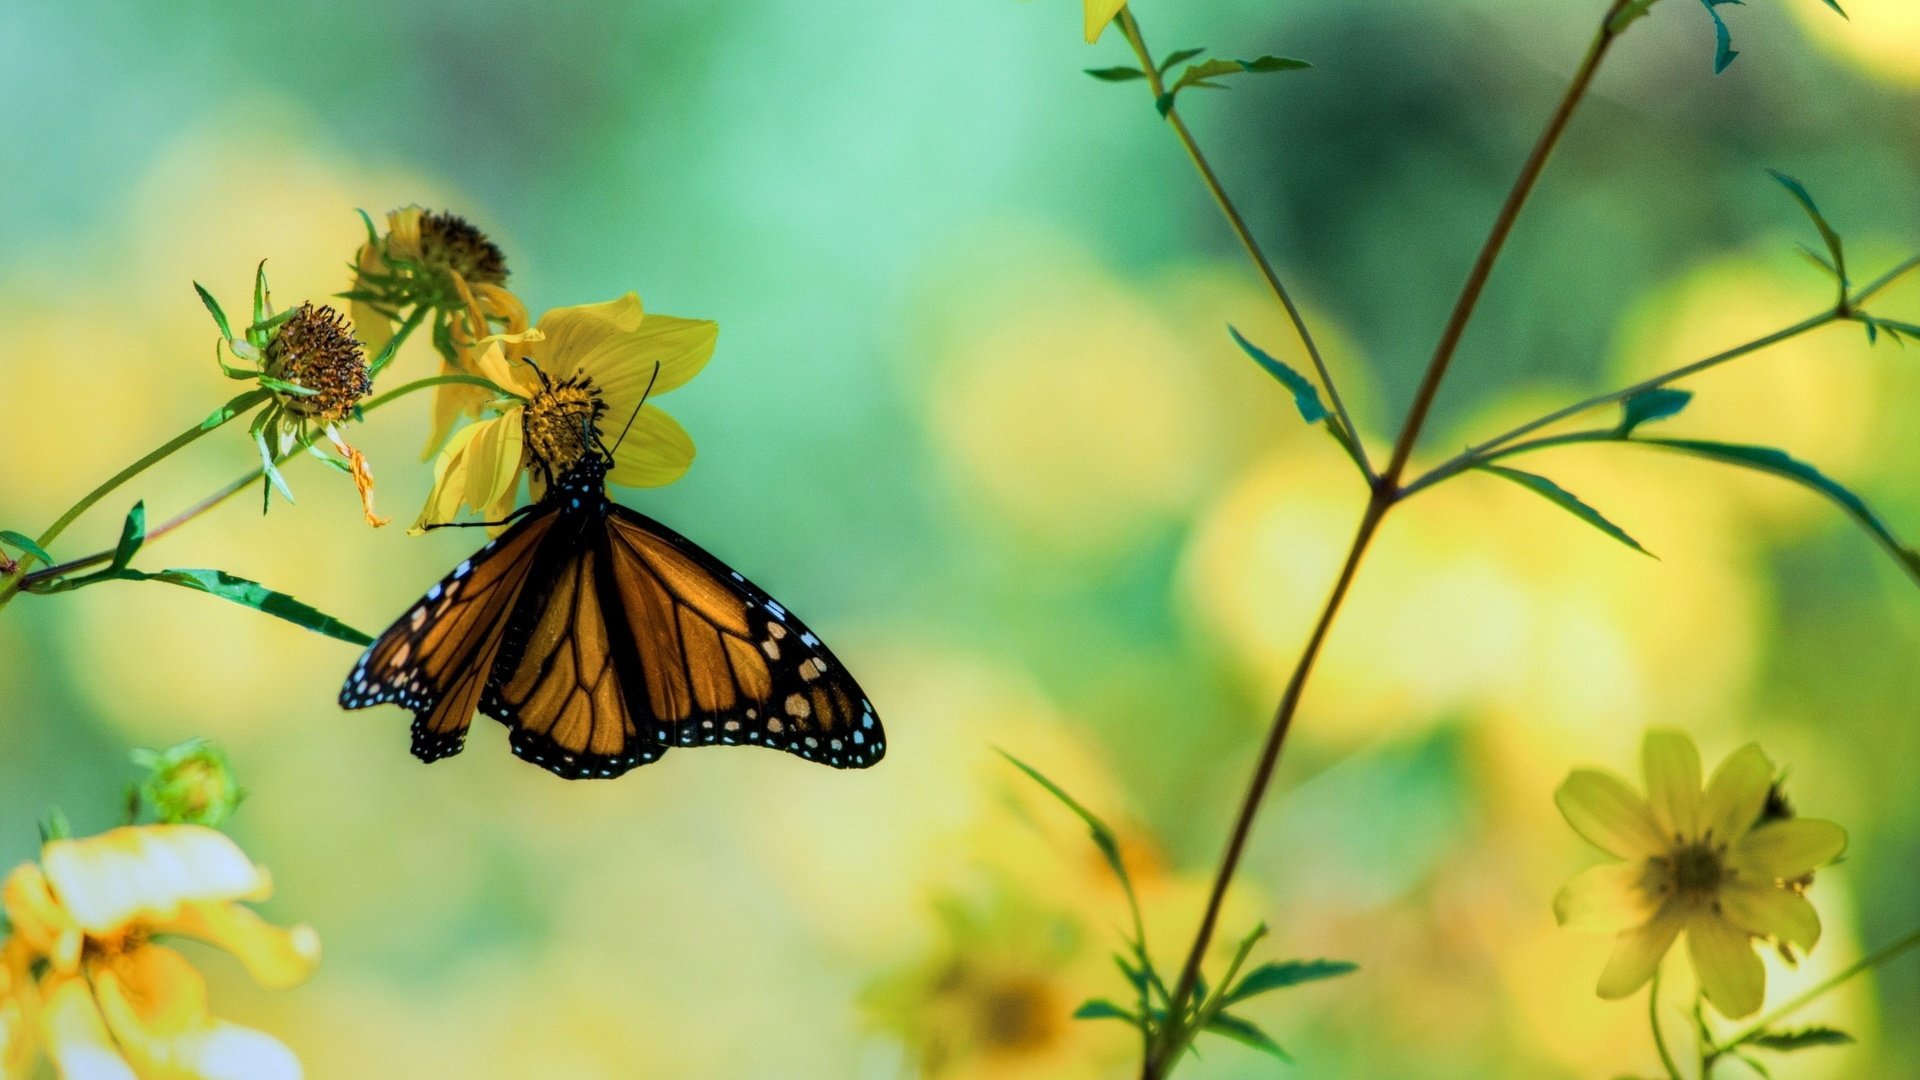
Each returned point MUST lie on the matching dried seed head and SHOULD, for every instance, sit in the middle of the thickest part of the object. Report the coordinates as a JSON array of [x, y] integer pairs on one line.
[[316, 350], [451, 242]]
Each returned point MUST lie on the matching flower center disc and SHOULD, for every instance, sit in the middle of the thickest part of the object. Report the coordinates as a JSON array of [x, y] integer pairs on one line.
[[561, 422]]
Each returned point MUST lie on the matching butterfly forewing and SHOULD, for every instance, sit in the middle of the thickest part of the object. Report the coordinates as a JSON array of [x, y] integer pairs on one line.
[[720, 661], [435, 659]]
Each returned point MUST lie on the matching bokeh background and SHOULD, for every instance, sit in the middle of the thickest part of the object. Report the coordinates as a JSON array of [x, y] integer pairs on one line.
[[975, 414]]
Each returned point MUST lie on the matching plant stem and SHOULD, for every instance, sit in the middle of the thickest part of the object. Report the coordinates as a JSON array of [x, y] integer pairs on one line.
[[236, 486], [1385, 494], [1653, 1022], [1131, 27], [1871, 960], [240, 406]]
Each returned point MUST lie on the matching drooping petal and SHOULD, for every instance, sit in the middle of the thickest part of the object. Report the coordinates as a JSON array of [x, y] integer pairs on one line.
[[1099, 14], [574, 334], [1731, 975], [477, 458], [145, 872], [1672, 768], [73, 1034], [1606, 899], [38, 920], [1736, 793], [1784, 850], [453, 402], [147, 995], [277, 958], [403, 233], [657, 451], [495, 455], [1612, 816], [1637, 954], [622, 364], [1768, 911], [499, 303], [19, 1033]]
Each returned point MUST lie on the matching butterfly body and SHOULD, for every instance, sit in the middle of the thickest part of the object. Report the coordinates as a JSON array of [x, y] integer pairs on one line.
[[601, 639]]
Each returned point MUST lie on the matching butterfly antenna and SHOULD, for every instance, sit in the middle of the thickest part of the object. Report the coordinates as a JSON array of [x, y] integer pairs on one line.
[[636, 409]]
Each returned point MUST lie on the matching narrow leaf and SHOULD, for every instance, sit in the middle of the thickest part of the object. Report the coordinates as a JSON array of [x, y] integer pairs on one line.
[[1103, 837], [1306, 396], [1723, 53], [260, 301], [133, 533], [1179, 57], [1656, 404], [1116, 74], [1827, 233], [260, 598], [1779, 463], [1837, 9], [241, 403], [1789, 1041], [1102, 1009], [1567, 501], [1243, 1031], [22, 542], [213, 309], [1278, 976], [1628, 15]]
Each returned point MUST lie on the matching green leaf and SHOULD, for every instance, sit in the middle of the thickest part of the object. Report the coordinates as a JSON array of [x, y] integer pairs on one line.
[[1102, 1009], [1655, 404], [1723, 53], [1827, 233], [1178, 57], [260, 598], [1117, 74], [213, 309], [260, 300], [1779, 463], [285, 387], [1306, 396], [1788, 1041], [23, 542], [1837, 9], [1279, 975], [1567, 501], [1627, 16], [241, 403], [1103, 837], [1243, 1031], [1205, 72], [271, 322], [133, 533]]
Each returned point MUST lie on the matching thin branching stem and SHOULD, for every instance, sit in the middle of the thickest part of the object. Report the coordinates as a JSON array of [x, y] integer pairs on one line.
[[1660, 1037], [1131, 28], [1802, 1000], [1385, 494]]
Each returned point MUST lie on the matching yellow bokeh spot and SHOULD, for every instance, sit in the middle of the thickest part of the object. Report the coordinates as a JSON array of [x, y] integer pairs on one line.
[[1880, 36]]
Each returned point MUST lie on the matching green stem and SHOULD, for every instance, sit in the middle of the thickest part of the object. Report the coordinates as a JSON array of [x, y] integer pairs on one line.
[[239, 407], [1871, 960], [1863, 295], [1653, 1021], [1131, 27], [240, 484]]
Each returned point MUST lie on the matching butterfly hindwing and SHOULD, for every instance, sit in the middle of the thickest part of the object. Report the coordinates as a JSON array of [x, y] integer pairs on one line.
[[435, 659], [558, 685], [718, 661]]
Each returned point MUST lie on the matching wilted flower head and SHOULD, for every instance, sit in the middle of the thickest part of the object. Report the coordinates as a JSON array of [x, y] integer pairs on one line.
[[1714, 863], [316, 351], [86, 984], [189, 784]]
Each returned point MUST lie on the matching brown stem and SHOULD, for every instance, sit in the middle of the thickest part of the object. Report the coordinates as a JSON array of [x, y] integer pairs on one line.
[[1386, 492]]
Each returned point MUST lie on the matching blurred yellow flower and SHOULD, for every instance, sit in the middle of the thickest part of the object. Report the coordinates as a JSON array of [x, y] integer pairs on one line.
[[442, 264], [1711, 863], [1099, 14], [580, 367], [84, 981]]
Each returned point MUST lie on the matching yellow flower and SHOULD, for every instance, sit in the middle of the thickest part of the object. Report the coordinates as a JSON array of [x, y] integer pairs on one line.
[[576, 377], [442, 264], [1099, 14], [1711, 863], [83, 979]]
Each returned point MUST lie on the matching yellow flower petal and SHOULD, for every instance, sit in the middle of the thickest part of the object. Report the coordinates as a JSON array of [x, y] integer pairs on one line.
[[148, 994], [1606, 899], [1737, 793], [38, 920], [1612, 816], [403, 232], [1768, 911], [622, 364], [482, 457], [656, 451], [493, 363], [1672, 768], [1731, 976], [146, 872], [1784, 850], [453, 402], [230, 1052], [19, 1041], [277, 958], [571, 334], [74, 1035], [1099, 14], [1637, 954]]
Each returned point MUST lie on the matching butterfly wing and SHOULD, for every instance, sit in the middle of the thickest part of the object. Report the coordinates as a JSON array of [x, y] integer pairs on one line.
[[714, 659], [558, 685], [436, 658]]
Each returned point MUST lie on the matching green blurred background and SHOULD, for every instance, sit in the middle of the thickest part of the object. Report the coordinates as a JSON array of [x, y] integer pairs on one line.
[[974, 414]]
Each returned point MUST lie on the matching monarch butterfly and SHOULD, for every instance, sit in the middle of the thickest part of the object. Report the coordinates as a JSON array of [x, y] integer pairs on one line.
[[601, 638]]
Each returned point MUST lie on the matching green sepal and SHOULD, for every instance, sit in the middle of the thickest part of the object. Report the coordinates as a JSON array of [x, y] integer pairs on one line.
[[213, 309]]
